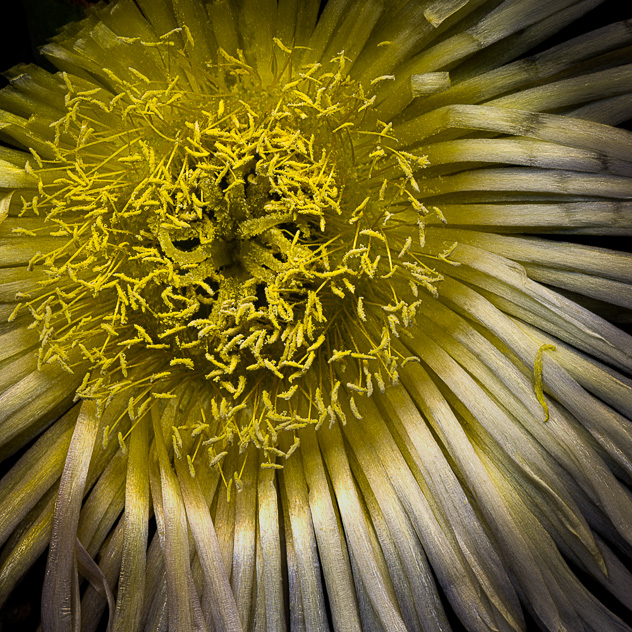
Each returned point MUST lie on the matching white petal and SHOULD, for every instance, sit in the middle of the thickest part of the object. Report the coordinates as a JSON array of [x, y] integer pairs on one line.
[[375, 583], [57, 597], [222, 601], [32, 476], [296, 502], [131, 585], [331, 548]]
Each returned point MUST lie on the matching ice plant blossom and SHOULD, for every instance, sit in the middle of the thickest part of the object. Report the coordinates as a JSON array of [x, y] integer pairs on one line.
[[284, 344]]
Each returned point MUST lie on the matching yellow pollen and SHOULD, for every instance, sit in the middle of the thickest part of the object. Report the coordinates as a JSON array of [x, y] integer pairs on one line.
[[213, 236]]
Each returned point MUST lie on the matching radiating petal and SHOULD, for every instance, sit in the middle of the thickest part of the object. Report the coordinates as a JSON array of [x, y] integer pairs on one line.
[[58, 612]]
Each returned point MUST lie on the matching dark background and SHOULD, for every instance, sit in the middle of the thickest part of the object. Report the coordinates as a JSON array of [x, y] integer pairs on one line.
[[26, 25]]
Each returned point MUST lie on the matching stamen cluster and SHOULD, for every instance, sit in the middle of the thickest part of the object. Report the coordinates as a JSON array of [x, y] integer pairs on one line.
[[247, 239]]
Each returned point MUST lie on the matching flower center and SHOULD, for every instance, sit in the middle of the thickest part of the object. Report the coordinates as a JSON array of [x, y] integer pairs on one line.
[[238, 240]]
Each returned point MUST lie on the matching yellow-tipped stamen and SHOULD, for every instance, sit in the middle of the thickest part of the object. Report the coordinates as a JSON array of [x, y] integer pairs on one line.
[[220, 235]]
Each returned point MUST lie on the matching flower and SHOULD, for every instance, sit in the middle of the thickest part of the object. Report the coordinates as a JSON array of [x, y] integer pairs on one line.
[[285, 341]]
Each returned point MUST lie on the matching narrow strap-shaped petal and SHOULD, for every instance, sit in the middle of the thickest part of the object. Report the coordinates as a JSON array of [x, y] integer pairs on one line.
[[507, 18], [563, 255], [90, 569], [356, 534], [155, 615], [191, 16], [478, 87], [491, 499], [93, 602], [570, 92], [131, 586], [244, 549], [34, 473], [270, 532], [173, 528], [224, 517], [222, 601], [424, 595], [522, 151], [549, 127], [304, 544], [32, 404], [259, 596], [520, 180], [612, 111], [295, 20], [331, 550], [296, 621], [103, 505], [450, 500], [589, 217], [57, 614], [607, 290], [27, 544]]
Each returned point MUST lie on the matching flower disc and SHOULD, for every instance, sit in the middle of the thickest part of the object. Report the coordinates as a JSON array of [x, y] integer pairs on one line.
[[248, 240]]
